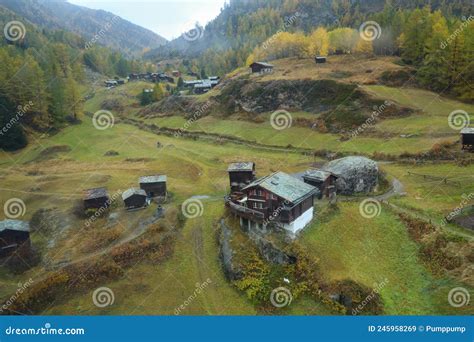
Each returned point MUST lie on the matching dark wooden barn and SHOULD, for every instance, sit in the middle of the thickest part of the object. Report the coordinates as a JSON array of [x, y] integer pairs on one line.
[[467, 138], [14, 235], [320, 59], [134, 198], [323, 180], [241, 174], [96, 198], [261, 67], [154, 186]]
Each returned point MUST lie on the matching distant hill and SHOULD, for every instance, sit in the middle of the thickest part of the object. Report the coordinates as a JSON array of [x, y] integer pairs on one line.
[[108, 29], [244, 24]]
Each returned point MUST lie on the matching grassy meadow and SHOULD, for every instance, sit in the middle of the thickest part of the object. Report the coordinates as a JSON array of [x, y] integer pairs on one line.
[[52, 171]]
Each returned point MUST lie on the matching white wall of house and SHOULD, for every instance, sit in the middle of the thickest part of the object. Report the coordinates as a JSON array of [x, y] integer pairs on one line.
[[301, 222]]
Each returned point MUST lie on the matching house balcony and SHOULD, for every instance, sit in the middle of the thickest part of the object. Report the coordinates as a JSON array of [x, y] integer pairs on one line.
[[242, 211]]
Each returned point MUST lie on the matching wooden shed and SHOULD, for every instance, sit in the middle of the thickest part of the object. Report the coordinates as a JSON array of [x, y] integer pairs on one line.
[[241, 174], [320, 59], [261, 67], [154, 186], [14, 234], [96, 198], [134, 198], [467, 138], [323, 180]]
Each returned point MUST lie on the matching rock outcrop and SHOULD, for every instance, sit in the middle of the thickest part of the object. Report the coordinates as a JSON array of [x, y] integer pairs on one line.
[[273, 254], [356, 174], [226, 254]]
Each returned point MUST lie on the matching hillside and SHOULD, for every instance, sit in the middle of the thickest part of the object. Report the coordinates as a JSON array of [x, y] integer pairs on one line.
[[164, 194], [113, 31], [243, 24]]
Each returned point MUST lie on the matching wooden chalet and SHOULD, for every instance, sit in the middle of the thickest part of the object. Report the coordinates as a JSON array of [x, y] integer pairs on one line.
[[467, 138], [135, 198], [278, 199], [320, 59], [14, 235], [241, 174], [261, 67], [111, 83], [96, 198], [154, 186], [324, 181]]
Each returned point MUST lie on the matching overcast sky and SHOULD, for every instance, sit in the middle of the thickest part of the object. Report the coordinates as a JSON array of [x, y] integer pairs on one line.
[[168, 18]]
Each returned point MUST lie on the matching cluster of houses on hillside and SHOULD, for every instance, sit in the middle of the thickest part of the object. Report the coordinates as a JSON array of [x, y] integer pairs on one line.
[[151, 77], [279, 199], [202, 86], [114, 83], [150, 187]]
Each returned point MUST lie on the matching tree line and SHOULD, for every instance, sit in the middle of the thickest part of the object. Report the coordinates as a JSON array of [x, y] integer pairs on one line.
[[42, 79]]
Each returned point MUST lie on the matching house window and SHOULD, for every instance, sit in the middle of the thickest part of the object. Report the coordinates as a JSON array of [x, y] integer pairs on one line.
[[260, 193], [255, 205], [273, 197]]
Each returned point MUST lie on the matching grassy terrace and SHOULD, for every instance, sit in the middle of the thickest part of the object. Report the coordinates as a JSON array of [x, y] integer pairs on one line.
[[426, 129]]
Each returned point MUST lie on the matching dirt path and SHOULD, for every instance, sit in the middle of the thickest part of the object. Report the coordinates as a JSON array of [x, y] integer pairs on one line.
[[140, 229]]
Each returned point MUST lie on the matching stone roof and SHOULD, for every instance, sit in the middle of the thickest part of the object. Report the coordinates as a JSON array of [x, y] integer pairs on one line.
[[241, 166], [22, 226], [319, 175], [95, 193], [133, 191], [152, 179], [285, 186], [467, 130], [267, 65]]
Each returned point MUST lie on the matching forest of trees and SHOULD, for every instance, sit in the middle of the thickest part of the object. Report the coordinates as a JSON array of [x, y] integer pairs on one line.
[[440, 49], [42, 80], [243, 24]]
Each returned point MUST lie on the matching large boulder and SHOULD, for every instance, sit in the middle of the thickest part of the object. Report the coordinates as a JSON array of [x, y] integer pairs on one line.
[[355, 174]]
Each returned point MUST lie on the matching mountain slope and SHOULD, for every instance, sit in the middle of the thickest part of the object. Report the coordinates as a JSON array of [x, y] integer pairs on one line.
[[244, 24], [97, 26]]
